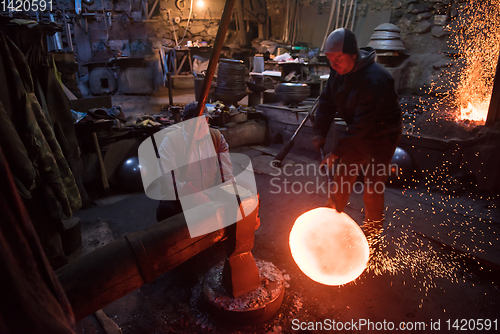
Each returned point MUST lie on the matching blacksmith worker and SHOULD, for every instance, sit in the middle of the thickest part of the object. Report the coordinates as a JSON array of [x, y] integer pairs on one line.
[[206, 172], [362, 93]]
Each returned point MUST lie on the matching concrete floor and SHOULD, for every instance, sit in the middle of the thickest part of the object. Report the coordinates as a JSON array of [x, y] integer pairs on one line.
[[430, 281]]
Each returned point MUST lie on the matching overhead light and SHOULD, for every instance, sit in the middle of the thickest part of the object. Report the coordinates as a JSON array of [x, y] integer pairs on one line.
[[200, 3]]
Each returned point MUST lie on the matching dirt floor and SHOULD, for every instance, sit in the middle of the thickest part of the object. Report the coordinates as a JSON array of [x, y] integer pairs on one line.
[[421, 284], [428, 282]]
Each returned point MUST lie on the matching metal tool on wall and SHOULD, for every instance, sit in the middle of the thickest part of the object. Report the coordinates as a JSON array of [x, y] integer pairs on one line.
[[288, 146]]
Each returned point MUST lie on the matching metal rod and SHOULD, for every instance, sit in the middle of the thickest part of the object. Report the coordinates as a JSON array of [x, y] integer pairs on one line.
[[349, 15], [338, 14], [170, 87], [241, 22], [343, 14], [354, 14], [288, 146], [287, 19], [332, 10], [68, 34]]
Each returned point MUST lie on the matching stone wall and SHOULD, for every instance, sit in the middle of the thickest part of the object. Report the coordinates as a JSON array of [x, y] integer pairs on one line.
[[203, 23], [426, 27]]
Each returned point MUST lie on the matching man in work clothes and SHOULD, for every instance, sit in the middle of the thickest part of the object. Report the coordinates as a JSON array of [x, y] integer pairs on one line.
[[362, 93]]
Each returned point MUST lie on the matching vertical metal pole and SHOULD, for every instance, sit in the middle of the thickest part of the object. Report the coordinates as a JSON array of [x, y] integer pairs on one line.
[[343, 15], [170, 87], [241, 22], [327, 32], [494, 109], [214, 58]]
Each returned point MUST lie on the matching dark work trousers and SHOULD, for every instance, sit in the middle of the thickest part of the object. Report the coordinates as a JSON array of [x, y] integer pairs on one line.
[[376, 170]]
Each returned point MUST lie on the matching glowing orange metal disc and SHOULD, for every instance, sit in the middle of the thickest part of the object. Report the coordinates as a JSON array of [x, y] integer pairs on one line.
[[328, 246]]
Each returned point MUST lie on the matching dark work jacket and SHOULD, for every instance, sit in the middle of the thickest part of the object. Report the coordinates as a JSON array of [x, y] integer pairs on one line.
[[33, 150], [366, 100]]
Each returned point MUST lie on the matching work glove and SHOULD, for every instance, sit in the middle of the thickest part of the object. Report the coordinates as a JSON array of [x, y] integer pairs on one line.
[[319, 142]]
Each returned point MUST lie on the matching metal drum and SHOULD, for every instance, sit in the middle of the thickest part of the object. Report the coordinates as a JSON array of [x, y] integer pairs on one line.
[[292, 93], [386, 38], [231, 83]]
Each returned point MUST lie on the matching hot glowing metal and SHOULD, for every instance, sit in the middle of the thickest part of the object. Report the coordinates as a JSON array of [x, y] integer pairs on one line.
[[477, 37], [329, 247]]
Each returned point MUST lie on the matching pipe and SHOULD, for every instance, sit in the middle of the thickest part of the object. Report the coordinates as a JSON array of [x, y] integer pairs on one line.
[[214, 58]]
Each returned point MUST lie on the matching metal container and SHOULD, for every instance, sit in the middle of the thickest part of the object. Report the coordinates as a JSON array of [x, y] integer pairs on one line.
[[289, 93], [175, 111], [385, 35], [386, 38], [387, 45], [231, 81], [387, 27]]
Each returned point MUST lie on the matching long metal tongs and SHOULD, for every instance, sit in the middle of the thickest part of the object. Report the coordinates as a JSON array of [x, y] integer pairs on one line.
[[288, 146]]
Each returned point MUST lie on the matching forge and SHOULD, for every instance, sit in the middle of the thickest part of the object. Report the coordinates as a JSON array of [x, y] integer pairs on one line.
[[462, 124]]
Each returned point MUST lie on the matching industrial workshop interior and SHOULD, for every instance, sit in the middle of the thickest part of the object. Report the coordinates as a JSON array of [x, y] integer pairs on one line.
[[174, 166]]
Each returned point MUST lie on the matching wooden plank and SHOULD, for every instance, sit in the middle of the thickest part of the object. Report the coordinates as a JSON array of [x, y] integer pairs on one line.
[[179, 68]]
